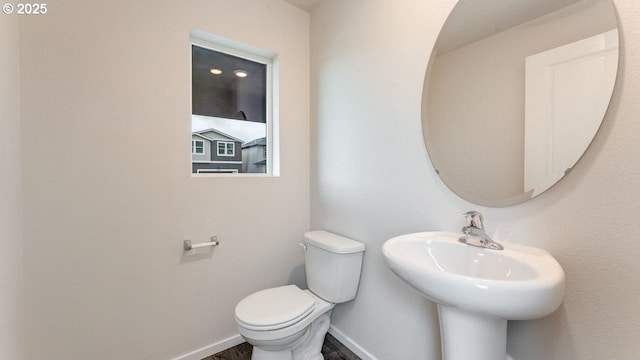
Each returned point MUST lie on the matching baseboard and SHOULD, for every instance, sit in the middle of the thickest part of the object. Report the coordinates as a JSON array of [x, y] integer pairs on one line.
[[232, 341], [350, 344], [212, 349]]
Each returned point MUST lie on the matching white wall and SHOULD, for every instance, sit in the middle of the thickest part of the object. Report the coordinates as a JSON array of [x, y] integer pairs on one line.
[[371, 180], [11, 323], [109, 197]]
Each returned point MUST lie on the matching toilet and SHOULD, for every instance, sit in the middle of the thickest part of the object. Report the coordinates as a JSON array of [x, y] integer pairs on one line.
[[288, 323]]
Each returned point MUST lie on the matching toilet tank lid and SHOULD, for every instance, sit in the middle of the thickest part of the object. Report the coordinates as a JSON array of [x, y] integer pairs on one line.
[[332, 242]]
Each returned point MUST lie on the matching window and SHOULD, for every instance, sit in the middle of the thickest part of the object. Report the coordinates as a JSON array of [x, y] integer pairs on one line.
[[232, 106], [197, 147], [226, 148]]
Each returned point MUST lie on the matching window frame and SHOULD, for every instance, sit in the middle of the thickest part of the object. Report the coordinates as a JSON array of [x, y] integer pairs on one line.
[[194, 147], [227, 145], [268, 58], [217, 171]]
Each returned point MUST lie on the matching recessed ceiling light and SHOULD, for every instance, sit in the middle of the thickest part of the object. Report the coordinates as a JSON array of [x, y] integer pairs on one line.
[[241, 73], [215, 71]]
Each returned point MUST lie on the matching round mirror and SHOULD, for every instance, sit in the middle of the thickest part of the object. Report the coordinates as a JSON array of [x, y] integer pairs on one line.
[[515, 92]]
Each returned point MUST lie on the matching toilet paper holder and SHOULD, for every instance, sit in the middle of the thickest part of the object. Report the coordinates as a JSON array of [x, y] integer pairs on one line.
[[188, 246]]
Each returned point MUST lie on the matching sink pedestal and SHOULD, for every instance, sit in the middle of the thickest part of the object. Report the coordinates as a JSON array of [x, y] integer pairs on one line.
[[477, 290], [467, 335]]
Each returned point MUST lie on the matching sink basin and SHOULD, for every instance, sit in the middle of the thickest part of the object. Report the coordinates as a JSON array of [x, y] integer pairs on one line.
[[477, 289], [516, 283]]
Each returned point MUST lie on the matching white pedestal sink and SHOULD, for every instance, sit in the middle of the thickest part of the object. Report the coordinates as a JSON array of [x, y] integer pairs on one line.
[[477, 290]]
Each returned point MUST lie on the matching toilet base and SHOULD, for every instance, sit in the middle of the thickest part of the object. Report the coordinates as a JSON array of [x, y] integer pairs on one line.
[[260, 354], [307, 347]]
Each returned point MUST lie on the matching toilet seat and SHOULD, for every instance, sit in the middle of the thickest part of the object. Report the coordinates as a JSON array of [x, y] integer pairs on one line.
[[274, 308]]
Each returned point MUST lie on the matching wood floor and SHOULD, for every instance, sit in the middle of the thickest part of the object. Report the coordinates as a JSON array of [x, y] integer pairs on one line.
[[332, 349]]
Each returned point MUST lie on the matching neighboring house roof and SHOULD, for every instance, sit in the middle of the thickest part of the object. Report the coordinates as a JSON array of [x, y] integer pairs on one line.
[[257, 142], [202, 132], [202, 136]]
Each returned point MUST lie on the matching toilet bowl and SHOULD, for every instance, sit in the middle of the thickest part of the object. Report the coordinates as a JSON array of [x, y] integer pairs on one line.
[[291, 321], [288, 323]]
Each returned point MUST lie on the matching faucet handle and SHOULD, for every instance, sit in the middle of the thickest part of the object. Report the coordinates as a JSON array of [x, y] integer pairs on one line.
[[474, 219]]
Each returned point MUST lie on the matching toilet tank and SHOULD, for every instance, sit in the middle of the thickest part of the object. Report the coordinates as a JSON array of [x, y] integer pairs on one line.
[[333, 264]]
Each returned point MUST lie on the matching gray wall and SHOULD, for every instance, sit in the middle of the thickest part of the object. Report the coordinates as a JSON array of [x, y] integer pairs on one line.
[[11, 288], [368, 67], [105, 274]]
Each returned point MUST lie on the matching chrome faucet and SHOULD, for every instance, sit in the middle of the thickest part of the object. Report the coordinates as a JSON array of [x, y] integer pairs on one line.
[[474, 233]]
